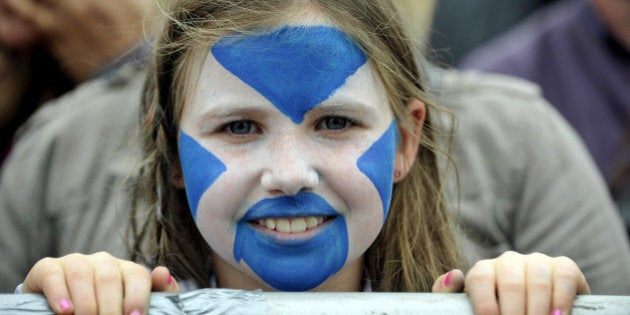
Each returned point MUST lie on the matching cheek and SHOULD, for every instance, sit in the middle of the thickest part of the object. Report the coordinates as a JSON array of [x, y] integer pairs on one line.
[[216, 191], [222, 205], [212, 225], [367, 186], [365, 218]]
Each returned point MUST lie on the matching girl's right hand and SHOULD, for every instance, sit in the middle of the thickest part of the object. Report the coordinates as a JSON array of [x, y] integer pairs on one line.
[[98, 283]]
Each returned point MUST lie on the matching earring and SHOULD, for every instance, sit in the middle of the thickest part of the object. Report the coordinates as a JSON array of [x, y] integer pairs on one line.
[[396, 173]]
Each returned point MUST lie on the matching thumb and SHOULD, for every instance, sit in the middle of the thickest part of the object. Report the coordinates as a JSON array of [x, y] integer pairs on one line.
[[163, 281], [450, 282]]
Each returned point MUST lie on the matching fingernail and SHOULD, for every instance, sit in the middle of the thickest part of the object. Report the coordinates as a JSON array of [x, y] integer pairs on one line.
[[557, 312], [64, 304], [447, 280], [138, 313], [169, 281]]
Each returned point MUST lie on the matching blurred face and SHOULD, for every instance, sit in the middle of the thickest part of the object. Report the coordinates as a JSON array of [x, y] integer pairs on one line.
[[15, 31], [287, 150]]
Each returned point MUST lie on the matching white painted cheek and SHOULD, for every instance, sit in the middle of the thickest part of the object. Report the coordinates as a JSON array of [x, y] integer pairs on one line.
[[226, 201], [365, 219], [355, 195], [214, 217]]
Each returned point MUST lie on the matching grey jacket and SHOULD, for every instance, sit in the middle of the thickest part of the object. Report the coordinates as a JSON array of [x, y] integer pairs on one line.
[[527, 183]]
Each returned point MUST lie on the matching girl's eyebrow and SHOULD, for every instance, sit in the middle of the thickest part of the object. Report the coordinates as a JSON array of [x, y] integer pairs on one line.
[[231, 110], [344, 106], [222, 113]]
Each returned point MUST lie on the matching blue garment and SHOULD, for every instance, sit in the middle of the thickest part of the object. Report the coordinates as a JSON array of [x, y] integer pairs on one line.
[[567, 50]]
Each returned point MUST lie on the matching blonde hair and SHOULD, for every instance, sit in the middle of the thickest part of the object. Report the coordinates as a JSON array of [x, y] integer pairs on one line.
[[416, 244]]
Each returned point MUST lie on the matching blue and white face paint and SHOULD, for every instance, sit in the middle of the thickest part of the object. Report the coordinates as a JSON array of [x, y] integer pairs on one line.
[[288, 150]]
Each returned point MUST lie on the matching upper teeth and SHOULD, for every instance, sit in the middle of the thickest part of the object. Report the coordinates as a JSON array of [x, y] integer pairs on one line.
[[291, 225]]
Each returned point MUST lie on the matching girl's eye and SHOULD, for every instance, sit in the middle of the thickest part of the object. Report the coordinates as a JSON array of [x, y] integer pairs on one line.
[[241, 127], [334, 123]]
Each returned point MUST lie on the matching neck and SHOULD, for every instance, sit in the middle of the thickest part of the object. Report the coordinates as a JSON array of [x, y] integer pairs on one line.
[[348, 279], [616, 15]]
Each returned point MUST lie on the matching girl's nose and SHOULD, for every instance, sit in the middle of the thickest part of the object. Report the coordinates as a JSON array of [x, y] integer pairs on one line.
[[288, 170]]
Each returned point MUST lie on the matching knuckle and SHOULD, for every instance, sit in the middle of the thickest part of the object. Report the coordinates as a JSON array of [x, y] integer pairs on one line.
[[565, 267], [538, 256], [479, 275], [511, 286], [509, 254], [103, 255], [483, 267], [107, 273], [78, 273], [73, 256], [565, 262], [134, 268], [565, 275], [47, 265], [539, 286]]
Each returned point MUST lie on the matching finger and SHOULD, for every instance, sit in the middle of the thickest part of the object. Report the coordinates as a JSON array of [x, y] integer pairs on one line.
[[511, 283], [163, 281], [137, 287], [450, 282], [38, 15], [481, 288], [539, 284], [48, 277], [80, 280], [108, 280], [568, 281]]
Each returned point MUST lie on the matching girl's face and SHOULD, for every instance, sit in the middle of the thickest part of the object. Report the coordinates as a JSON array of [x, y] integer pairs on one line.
[[288, 149]]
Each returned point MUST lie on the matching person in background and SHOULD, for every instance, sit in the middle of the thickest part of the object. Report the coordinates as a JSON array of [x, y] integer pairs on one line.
[[64, 175], [578, 52], [459, 26], [48, 48]]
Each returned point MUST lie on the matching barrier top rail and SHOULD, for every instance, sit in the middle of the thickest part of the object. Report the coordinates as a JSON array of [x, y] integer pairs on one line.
[[225, 301]]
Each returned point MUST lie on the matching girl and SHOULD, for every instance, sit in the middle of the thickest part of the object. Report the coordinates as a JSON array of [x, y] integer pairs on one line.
[[288, 146]]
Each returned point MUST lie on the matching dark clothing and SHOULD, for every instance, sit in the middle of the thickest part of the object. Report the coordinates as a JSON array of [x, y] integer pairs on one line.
[[583, 72]]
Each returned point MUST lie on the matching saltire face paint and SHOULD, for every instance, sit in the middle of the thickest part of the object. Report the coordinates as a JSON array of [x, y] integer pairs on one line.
[[200, 169], [284, 64], [293, 265], [377, 163], [295, 68]]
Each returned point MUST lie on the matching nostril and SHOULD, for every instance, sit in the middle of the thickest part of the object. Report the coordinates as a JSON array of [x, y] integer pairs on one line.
[[289, 181]]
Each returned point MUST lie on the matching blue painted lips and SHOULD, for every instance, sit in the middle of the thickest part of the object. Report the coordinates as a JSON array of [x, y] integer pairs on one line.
[[300, 205], [296, 265]]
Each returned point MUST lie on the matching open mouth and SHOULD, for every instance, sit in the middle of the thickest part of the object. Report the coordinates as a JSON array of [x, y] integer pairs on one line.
[[292, 225]]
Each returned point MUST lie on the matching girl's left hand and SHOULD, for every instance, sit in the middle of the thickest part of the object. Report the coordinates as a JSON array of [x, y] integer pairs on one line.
[[518, 284]]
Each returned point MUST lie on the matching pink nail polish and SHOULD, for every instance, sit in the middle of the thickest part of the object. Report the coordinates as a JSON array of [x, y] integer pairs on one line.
[[169, 281], [135, 313], [447, 280], [64, 304], [557, 312]]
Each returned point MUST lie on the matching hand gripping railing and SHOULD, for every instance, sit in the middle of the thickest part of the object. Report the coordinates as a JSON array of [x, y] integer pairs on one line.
[[223, 301]]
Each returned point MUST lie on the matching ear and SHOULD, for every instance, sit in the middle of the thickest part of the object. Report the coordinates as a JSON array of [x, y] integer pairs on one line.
[[409, 141], [177, 177]]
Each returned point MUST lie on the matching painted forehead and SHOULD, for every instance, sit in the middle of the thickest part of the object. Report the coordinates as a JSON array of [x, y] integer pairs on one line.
[[295, 67]]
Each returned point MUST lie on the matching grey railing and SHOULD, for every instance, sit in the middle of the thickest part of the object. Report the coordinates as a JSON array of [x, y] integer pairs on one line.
[[222, 301]]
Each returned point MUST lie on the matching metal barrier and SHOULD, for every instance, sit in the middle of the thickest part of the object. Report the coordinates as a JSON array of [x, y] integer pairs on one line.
[[223, 301]]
